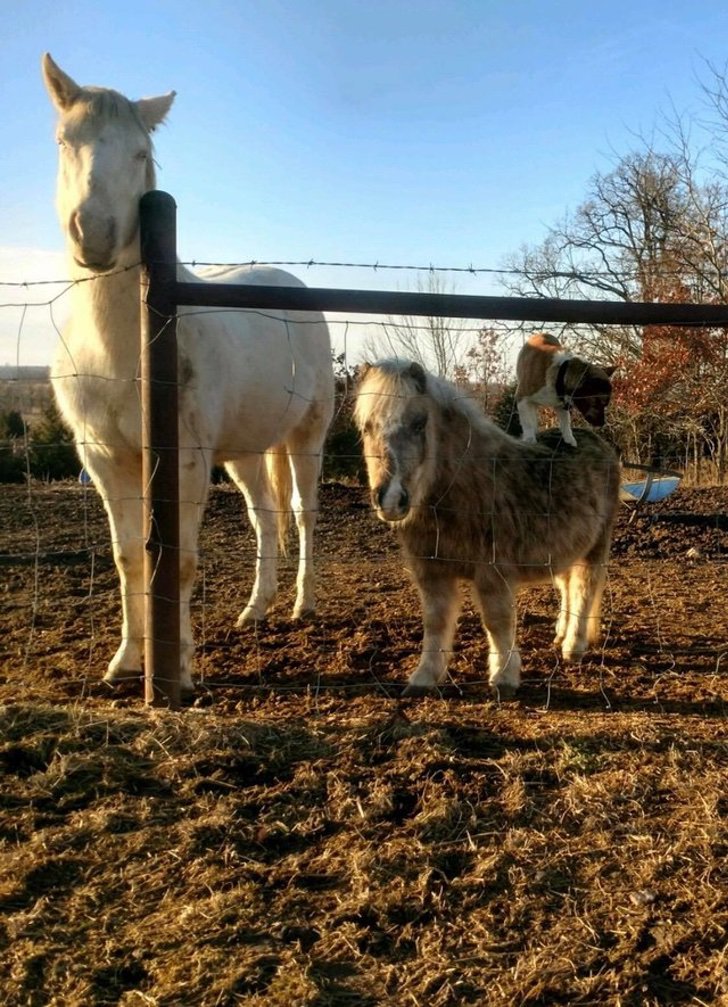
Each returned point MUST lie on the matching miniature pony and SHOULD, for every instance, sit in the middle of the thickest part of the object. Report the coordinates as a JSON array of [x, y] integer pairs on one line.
[[470, 503]]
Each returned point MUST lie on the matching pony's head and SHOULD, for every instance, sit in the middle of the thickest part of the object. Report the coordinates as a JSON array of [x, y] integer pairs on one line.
[[395, 415], [105, 167]]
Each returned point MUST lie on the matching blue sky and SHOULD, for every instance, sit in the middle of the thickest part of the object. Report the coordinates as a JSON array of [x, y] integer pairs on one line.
[[447, 133]]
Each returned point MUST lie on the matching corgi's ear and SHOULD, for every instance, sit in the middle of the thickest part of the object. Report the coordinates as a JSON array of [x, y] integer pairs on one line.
[[609, 371]]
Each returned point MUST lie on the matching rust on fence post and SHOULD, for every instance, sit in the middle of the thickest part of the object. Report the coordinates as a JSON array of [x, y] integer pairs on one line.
[[160, 449]]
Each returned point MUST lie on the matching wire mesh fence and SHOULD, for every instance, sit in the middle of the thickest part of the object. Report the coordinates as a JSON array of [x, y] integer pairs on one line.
[[63, 611]]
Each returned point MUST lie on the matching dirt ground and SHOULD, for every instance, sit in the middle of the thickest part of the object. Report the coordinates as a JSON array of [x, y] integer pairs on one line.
[[299, 835]]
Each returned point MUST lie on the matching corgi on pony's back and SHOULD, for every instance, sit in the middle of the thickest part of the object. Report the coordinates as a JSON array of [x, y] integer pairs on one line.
[[549, 375]]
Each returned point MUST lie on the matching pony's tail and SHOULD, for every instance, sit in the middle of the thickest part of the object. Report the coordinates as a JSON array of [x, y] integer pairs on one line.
[[281, 484]]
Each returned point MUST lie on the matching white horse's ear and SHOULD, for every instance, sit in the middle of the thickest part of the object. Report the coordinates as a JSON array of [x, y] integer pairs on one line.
[[62, 88], [153, 110], [419, 375]]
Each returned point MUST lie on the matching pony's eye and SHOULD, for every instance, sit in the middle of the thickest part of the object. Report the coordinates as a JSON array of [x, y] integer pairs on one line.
[[418, 424], [368, 427]]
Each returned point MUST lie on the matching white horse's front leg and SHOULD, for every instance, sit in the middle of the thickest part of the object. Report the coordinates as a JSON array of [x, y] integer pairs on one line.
[[251, 478], [440, 609], [304, 502], [120, 487], [497, 606]]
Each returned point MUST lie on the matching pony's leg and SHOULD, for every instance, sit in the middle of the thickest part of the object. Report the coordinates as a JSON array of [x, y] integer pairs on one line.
[[497, 605], [594, 620], [120, 487], [251, 477], [528, 415], [562, 583], [565, 426], [440, 609], [194, 486], [581, 595]]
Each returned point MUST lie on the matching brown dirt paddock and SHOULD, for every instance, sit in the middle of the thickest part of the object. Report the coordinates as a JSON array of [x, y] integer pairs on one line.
[[300, 836]]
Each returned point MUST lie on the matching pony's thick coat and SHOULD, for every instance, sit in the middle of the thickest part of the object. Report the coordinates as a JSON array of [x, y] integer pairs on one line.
[[471, 503], [256, 390]]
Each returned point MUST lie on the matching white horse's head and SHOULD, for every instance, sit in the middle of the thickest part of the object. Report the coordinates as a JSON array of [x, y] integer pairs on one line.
[[105, 167]]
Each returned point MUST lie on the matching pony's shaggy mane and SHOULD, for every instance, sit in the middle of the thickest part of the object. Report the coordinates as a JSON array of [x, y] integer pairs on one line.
[[393, 378]]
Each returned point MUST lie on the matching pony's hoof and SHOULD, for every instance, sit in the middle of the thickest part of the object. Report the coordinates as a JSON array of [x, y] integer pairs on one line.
[[573, 656]]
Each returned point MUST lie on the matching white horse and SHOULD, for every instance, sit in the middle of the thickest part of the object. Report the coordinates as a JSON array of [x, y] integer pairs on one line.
[[256, 391]]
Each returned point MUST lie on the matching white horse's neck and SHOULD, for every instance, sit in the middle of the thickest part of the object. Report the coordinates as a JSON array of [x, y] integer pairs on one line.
[[106, 312]]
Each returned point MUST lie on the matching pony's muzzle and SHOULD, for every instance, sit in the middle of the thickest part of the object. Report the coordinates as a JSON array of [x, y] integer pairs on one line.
[[391, 502]]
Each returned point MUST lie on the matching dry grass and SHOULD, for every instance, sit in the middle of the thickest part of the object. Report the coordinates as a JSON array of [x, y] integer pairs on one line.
[[299, 838], [362, 853]]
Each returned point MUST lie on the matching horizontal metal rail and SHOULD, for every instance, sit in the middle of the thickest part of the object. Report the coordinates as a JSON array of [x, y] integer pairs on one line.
[[395, 302]]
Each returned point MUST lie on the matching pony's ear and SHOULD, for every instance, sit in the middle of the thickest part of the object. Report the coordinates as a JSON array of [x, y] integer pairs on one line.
[[62, 89], [609, 371], [419, 376], [153, 110]]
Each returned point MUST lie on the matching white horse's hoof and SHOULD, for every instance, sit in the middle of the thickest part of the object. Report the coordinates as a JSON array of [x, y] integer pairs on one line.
[[503, 691], [117, 676], [412, 691], [304, 613], [247, 616]]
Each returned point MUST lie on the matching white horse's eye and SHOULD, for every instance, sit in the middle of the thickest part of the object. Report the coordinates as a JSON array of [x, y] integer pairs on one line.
[[141, 155]]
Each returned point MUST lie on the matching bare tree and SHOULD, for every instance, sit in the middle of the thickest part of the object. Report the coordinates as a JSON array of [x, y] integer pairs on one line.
[[439, 344], [654, 228]]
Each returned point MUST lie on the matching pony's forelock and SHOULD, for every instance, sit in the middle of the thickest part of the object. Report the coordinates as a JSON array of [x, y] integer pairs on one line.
[[393, 378]]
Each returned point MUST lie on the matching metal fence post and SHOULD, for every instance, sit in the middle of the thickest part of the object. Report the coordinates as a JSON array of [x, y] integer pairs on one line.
[[160, 449]]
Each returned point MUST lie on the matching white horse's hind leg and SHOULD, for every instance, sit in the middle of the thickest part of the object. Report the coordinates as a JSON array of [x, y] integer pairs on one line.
[[194, 484], [250, 476], [440, 609]]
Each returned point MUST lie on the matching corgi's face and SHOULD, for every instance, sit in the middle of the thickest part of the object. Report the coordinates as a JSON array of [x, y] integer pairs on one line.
[[592, 395]]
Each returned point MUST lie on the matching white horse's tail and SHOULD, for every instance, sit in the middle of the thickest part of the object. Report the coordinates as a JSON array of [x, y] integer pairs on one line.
[[281, 484]]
